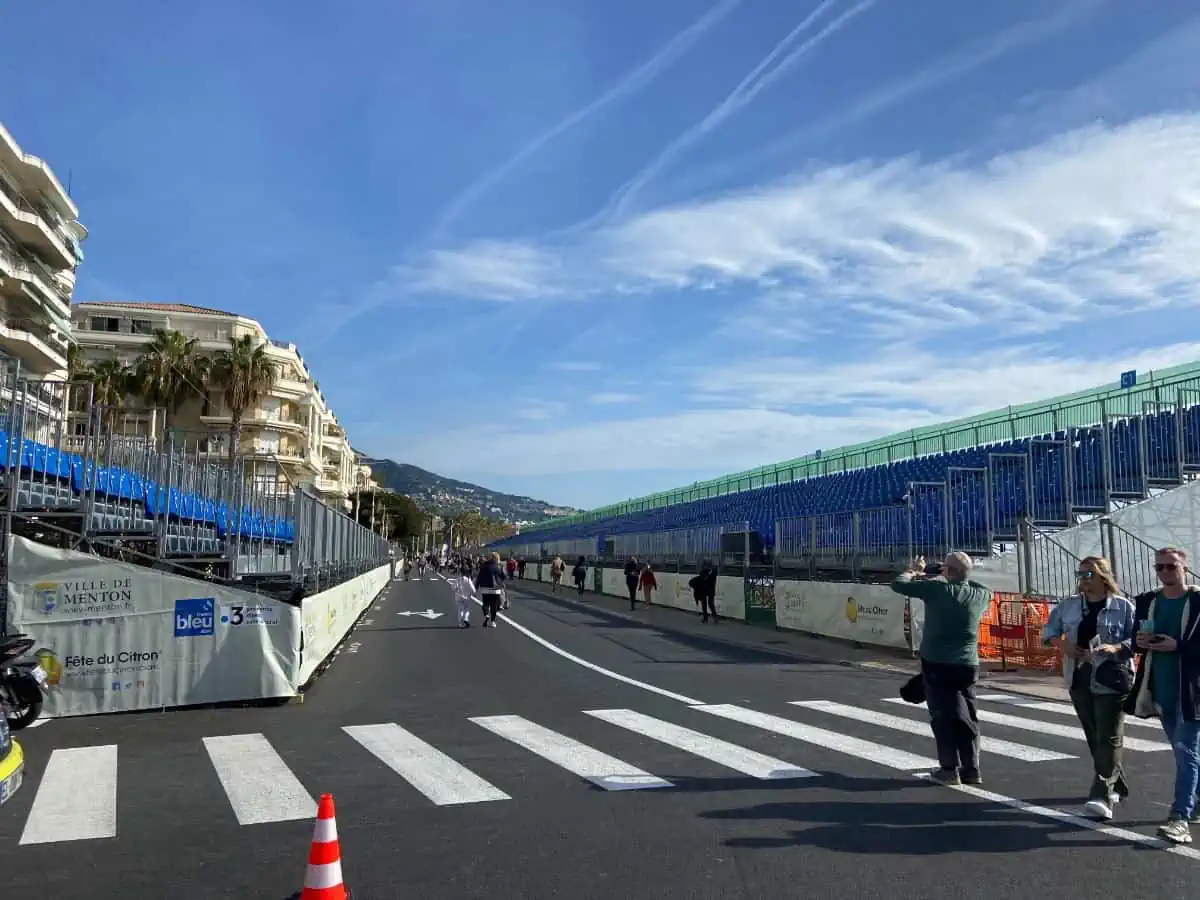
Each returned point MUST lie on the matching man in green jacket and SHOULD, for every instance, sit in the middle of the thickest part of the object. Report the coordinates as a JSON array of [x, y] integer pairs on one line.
[[954, 606]]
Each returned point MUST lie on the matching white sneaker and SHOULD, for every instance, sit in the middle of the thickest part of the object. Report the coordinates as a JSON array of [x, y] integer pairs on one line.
[[1176, 831], [1099, 808]]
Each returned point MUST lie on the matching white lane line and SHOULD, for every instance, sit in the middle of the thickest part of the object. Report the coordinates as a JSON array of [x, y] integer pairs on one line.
[[810, 734], [260, 786], [912, 726], [1062, 709], [38, 722], [600, 670], [1053, 728], [579, 759], [1040, 811], [77, 797], [429, 770], [1058, 815], [740, 759]]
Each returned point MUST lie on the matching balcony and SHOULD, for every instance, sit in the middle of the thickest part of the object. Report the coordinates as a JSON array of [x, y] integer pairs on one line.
[[33, 173], [329, 486], [39, 280], [33, 227], [40, 354]]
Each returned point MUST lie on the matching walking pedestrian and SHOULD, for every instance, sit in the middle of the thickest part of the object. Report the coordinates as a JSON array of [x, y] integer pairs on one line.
[[580, 573], [489, 581], [1093, 631], [950, 659], [649, 583], [1167, 642], [556, 572], [631, 581], [704, 589], [464, 593]]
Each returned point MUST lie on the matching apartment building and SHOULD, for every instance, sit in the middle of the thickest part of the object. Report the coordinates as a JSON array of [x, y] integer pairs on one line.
[[291, 439], [40, 235]]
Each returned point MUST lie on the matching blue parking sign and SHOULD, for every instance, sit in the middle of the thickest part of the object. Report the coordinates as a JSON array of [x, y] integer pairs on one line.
[[1129, 379]]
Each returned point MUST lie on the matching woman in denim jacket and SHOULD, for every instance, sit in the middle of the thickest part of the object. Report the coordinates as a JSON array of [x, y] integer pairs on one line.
[[1090, 629]]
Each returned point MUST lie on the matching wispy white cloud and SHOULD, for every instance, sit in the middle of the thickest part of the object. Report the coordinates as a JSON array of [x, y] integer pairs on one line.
[[939, 73], [612, 399], [778, 409], [759, 78], [629, 84], [575, 365], [1099, 221]]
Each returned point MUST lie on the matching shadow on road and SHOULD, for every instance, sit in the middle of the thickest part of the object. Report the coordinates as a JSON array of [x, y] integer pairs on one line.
[[888, 827]]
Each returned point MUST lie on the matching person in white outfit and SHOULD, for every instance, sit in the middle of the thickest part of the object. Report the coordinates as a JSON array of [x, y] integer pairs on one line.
[[464, 594]]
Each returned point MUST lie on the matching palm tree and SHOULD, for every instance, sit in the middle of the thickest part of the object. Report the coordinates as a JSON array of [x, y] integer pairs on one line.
[[110, 383], [246, 373], [169, 372]]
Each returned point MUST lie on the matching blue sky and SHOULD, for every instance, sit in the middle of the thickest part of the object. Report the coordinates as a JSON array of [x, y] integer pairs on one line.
[[587, 250]]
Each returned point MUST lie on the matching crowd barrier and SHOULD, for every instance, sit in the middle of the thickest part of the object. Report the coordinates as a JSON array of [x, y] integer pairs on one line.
[[866, 614], [118, 637]]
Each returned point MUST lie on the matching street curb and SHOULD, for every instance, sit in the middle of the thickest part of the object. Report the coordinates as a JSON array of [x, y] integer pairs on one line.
[[868, 665]]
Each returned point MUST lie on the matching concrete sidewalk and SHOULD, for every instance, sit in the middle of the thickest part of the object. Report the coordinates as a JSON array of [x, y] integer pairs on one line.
[[804, 647]]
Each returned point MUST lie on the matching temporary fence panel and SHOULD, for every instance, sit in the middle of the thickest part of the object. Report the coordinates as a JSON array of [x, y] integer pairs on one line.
[[1009, 477], [1049, 483], [117, 637], [1089, 470], [927, 504], [969, 519], [1188, 429], [1159, 444], [1126, 468], [864, 613]]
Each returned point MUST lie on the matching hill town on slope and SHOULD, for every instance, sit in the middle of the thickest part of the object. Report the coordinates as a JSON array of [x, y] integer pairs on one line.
[[446, 496]]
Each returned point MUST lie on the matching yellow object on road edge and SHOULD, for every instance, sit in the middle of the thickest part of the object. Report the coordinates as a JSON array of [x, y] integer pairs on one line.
[[12, 768]]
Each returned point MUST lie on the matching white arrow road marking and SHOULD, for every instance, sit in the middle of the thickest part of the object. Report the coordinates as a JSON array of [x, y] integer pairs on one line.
[[426, 614]]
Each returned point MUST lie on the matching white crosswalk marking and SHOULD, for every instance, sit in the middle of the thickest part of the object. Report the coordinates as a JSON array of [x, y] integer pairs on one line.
[[1052, 728], [810, 734], [748, 762], [77, 797], [429, 770], [599, 768], [1062, 709], [259, 785], [912, 726]]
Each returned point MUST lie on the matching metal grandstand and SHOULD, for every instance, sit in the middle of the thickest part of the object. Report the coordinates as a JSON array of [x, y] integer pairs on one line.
[[177, 506], [974, 484]]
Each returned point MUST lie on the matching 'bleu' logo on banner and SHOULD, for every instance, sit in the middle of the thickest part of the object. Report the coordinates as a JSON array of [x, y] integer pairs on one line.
[[195, 617]]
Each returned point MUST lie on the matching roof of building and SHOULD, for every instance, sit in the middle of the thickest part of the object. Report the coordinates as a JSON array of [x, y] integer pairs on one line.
[[160, 307]]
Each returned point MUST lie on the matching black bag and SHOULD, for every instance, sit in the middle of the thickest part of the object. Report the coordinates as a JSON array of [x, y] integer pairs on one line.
[[913, 690], [1114, 676]]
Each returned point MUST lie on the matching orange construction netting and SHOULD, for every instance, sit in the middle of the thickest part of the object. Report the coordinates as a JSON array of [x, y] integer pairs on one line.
[[1011, 632]]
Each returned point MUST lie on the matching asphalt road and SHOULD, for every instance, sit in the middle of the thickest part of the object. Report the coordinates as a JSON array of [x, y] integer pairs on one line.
[[515, 763]]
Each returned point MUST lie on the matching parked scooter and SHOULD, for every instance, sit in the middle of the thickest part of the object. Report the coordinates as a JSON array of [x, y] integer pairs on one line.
[[23, 681]]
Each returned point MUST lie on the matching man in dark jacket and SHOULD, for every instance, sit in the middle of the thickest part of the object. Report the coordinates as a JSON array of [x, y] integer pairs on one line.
[[489, 581], [954, 606], [631, 581], [1166, 623]]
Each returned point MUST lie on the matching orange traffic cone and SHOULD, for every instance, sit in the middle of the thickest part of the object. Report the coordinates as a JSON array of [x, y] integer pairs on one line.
[[323, 878]]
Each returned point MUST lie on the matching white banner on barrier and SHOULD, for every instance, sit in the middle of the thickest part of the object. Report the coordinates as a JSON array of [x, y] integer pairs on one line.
[[613, 581], [117, 637], [327, 616], [731, 597], [865, 613]]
